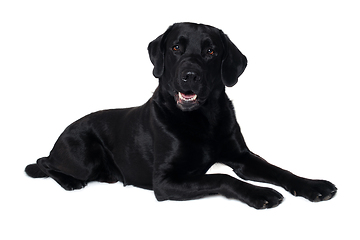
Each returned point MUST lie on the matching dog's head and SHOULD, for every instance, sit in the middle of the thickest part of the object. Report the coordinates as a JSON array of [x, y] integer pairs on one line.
[[191, 59]]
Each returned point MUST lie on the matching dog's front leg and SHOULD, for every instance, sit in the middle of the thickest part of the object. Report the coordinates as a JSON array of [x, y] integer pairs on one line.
[[254, 196], [249, 166]]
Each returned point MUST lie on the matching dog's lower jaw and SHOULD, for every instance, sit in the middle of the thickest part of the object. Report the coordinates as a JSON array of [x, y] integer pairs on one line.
[[186, 102]]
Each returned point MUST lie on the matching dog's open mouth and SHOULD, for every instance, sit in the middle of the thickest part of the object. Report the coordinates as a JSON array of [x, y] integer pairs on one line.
[[190, 97], [187, 101]]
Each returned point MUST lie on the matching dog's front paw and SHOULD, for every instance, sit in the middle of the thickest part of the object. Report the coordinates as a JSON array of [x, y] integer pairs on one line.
[[262, 198], [313, 190]]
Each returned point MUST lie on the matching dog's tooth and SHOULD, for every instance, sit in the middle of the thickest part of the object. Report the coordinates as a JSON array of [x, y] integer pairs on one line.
[[187, 99]]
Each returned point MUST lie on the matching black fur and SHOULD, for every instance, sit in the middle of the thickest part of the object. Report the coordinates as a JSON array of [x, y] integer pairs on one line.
[[170, 142]]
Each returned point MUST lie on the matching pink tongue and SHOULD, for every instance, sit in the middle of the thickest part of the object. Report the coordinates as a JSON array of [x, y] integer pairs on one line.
[[188, 96]]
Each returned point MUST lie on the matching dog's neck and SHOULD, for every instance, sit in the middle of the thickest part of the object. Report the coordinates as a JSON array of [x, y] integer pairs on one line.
[[215, 116]]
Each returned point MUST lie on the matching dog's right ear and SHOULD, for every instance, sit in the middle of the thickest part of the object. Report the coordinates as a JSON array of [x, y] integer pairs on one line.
[[156, 53]]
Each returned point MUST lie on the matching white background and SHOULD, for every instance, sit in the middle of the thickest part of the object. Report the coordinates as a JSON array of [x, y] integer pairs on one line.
[[297, 104]]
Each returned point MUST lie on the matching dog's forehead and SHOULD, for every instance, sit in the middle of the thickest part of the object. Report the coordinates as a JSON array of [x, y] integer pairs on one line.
[[195, 33]]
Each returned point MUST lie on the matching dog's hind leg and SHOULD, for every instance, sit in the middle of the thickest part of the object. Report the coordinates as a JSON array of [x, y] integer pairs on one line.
[[34, 171], [41, 169], [68, 182]]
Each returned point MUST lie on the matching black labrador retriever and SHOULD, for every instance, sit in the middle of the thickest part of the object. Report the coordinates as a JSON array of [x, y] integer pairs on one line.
[[170, 142]]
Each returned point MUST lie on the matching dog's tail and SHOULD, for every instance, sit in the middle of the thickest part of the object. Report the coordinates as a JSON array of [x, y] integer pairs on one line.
[[34, 171]]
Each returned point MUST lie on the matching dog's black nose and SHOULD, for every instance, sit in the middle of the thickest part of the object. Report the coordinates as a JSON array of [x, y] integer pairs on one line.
[[189, 76]]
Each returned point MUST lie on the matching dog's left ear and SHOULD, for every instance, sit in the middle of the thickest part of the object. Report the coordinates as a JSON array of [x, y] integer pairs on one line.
[[156, 53], [233, 63]]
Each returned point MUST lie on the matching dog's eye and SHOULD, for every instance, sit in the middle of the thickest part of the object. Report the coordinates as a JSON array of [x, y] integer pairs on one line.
[[210, 51], [176, 48]]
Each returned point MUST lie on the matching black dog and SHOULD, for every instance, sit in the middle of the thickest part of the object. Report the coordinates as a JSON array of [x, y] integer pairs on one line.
[[170, 142]]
